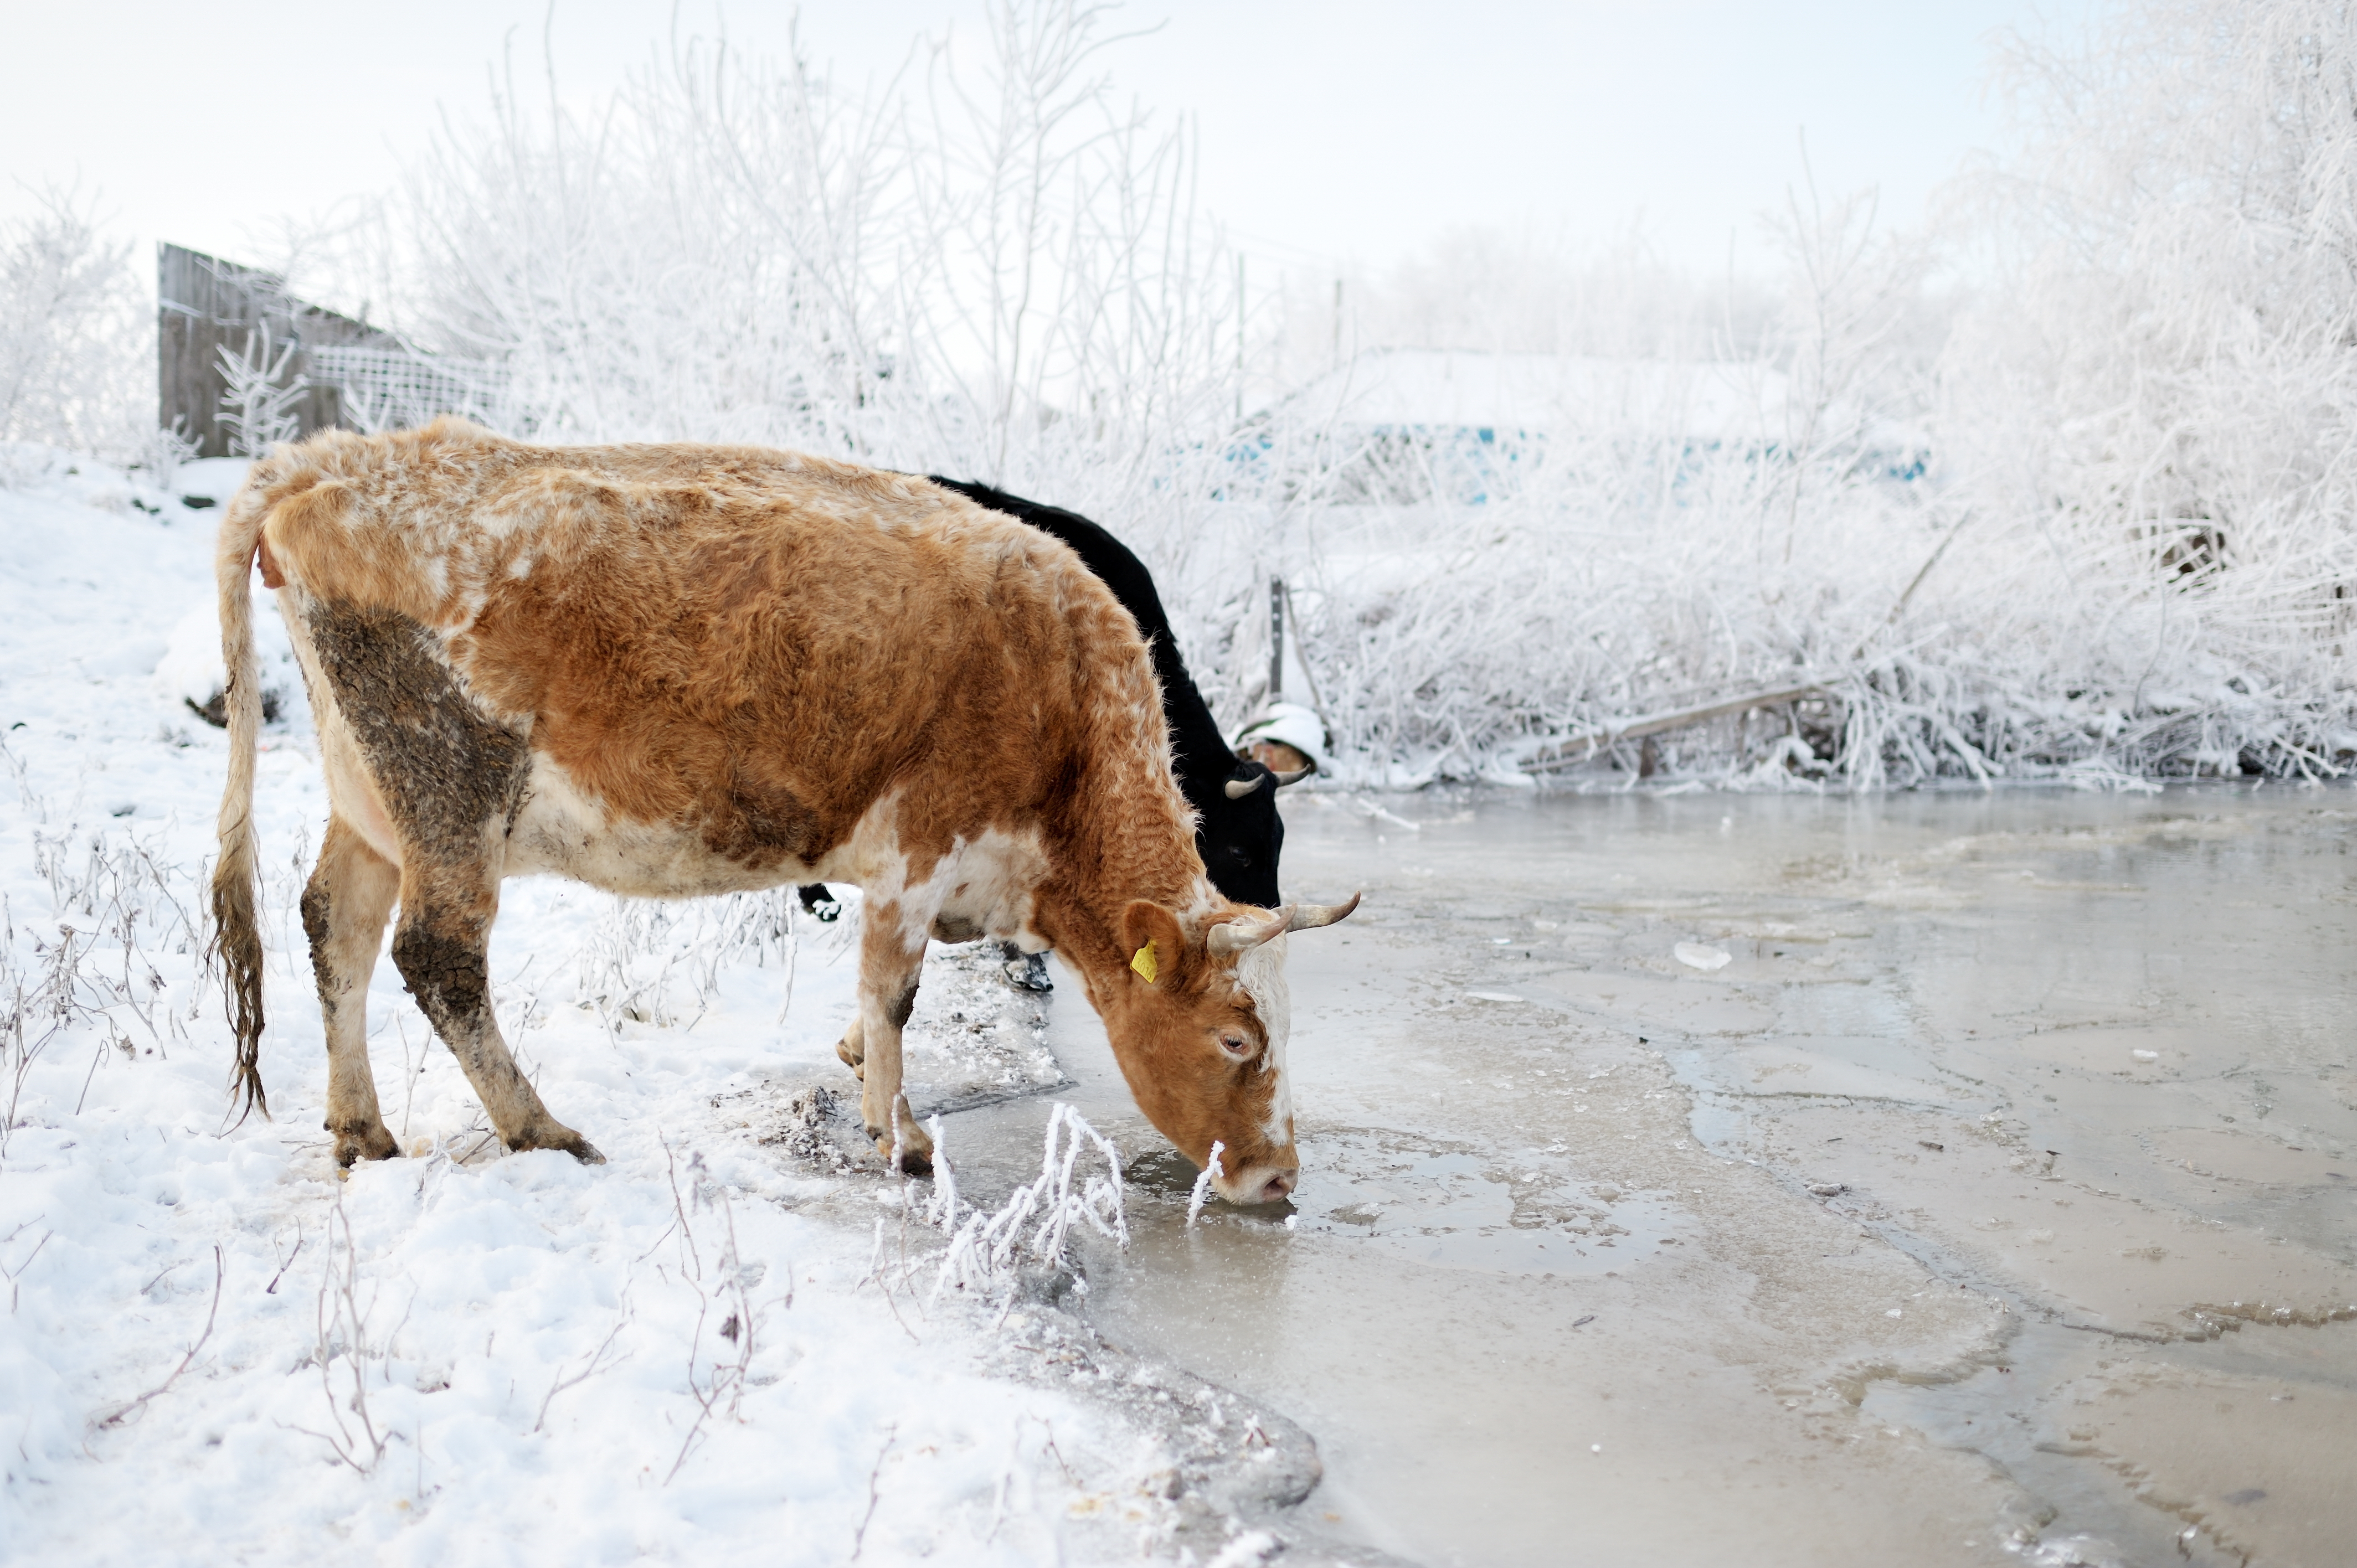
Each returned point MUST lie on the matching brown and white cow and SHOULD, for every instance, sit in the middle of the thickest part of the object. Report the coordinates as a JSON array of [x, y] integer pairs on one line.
[[670, 671]]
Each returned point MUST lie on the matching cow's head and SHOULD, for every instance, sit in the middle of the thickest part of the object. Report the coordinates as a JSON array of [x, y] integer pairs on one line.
[[1199, 1024], [1240, 834]]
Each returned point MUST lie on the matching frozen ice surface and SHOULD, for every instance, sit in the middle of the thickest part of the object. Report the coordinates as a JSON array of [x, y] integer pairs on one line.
[[1879, 1244]]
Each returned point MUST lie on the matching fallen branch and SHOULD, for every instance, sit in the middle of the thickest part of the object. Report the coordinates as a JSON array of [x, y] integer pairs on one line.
[[1576, 749]]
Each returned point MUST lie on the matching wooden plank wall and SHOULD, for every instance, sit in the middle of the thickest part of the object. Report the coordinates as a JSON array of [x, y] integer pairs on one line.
[[204, 305]]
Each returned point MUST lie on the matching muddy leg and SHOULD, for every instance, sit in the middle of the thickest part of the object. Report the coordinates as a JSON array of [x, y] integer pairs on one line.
[[441, 946], [887, 994], [344, 910]]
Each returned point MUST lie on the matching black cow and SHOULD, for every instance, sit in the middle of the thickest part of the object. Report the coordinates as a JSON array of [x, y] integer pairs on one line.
[[1238, 832]]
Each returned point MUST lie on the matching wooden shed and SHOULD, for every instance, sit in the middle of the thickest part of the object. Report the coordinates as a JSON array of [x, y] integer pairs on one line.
[[204, 305]]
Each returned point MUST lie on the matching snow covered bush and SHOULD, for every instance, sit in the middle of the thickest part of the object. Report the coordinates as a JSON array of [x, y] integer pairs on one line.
[[2146, 417], [2131, 553], [987, 267], [77, 353]]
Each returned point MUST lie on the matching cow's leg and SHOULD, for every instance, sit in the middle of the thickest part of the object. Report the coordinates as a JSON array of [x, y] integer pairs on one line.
[[853, 1048], [888, 968], [344, 909], [443, 946]]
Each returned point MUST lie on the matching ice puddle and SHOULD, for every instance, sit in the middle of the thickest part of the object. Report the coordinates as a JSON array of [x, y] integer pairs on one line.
[[1988, 1202]]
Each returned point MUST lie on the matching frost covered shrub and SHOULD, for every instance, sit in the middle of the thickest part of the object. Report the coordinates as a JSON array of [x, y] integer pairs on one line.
[[2147, 419], [2133, 553], [77, 354], [987, 268], [1690, 518], [2086, 516], [259, 397]]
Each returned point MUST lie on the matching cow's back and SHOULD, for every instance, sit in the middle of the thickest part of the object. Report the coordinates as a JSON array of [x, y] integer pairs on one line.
[[732, 649]]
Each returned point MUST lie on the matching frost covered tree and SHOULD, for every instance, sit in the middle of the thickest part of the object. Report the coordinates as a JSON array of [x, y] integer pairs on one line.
[[987, 264], [75, 356], [2159, 381], [2180, 246]]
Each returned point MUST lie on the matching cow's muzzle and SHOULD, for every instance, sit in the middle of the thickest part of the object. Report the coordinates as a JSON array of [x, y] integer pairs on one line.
[[1259, 1183]]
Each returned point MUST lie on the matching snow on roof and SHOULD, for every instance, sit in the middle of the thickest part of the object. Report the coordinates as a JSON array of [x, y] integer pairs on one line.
[[1467, 389]]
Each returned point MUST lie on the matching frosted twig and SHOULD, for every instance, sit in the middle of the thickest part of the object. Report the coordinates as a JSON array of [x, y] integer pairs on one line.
[[125, 1413], [1203, 1180], [1035, 1222], [874, 1491], [340, 1315], [590, 1368], [17, 1273], [724, 1383]]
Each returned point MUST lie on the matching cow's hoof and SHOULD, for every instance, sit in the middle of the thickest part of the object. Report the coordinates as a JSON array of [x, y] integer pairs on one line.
[[563, 1140], [371, 1142], [913, 1162], [1027, 971], [916, 1150], [853, 1057]]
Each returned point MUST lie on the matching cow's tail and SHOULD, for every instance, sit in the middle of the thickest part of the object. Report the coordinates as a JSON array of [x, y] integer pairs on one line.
[[236, 893]]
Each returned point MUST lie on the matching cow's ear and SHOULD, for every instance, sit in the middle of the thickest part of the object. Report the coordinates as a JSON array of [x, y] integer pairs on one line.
[[1156, 943]]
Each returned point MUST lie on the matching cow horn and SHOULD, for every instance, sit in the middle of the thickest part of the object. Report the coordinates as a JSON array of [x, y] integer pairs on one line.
[[1238, 788], [1307, 917], [1236, 936], [1295, 777]]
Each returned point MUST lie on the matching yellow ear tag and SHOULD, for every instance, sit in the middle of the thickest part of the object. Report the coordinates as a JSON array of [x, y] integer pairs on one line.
[[1143, 962]]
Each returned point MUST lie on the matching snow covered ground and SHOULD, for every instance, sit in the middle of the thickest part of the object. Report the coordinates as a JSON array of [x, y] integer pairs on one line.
[[213, 1349]]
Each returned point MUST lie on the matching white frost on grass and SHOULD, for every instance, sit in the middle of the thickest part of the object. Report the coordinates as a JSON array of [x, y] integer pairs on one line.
[[1203, 1180], [986, 1251], [213, 1349]]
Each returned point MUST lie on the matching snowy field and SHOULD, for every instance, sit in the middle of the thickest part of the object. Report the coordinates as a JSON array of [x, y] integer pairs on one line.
[[216, 1350], [2058, 490]]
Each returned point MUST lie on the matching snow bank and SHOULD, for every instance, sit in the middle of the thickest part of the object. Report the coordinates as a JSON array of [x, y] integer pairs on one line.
[[213, 1348]]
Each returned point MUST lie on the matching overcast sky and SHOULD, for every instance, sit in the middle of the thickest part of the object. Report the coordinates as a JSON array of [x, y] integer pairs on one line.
[[1332, 132]]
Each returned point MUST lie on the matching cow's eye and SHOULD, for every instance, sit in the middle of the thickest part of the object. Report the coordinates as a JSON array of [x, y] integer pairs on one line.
[[1242, 859], [1237, 1045]]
